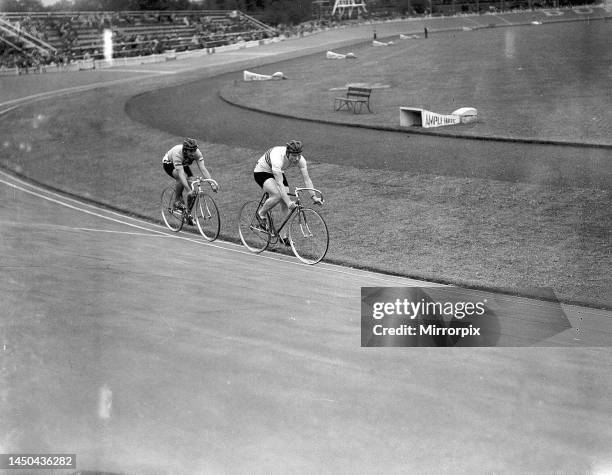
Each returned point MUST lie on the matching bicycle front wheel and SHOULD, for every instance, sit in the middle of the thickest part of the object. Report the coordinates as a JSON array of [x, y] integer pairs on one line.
[[207, 217], [309, 236], [172, 217], [252, 236]]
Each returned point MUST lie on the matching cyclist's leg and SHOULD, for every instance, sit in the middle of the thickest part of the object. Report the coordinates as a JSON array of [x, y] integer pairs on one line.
[[284, 213], [274, 196], [178, 187], [178, 191], [271, 187]]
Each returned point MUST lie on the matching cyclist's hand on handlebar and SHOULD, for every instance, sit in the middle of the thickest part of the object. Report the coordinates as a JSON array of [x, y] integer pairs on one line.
[[214, 187], [291, 204], [317, 200], [192, 193]]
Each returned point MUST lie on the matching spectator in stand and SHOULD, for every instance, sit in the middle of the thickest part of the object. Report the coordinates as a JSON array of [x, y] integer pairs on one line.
[[158, 46]]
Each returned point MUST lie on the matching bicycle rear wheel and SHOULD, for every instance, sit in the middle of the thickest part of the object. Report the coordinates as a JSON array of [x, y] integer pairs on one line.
[[207, 217], [172, 217], [309, 236], [252, 236]]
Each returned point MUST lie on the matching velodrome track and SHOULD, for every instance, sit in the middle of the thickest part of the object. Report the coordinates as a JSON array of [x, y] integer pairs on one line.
[[106, 355]]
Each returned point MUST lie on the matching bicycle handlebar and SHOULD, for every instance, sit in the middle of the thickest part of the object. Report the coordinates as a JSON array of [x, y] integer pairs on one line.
[[299, 190], [199, 180]]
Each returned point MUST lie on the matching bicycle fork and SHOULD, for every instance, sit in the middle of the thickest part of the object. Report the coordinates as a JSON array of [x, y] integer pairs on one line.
[[191, 201], [306, 232], [205, 210]]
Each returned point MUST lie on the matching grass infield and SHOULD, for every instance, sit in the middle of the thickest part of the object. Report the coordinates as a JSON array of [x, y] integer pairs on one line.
[[468, 231], [554, 93]]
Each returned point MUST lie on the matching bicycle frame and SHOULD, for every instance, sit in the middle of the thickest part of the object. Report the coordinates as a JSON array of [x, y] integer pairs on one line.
[[204, 215], [275, 233], [197, 183], [306, 229]]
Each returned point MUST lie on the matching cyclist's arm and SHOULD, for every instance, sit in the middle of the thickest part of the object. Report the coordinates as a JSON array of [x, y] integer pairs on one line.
[[204, 171], [307, 181], [183, 177]]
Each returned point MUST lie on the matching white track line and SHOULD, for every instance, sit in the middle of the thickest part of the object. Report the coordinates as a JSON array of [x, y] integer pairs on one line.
[[148, 71], [69, 90], [139, 224], [503, 19], [72, 228], [237, 248], [127, 233], [473, 21], [321, 267]]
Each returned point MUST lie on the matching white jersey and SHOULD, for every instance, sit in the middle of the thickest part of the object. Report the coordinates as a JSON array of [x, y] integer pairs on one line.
[[275, 159]]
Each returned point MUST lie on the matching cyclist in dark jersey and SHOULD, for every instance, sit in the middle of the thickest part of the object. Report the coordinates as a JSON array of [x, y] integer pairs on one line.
[[176, 164]]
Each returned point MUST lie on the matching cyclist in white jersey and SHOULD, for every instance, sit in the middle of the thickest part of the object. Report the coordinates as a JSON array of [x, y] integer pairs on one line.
[[176, 164], [269, 175]]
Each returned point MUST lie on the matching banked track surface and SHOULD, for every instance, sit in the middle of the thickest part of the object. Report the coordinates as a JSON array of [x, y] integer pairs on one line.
[[107, 354]]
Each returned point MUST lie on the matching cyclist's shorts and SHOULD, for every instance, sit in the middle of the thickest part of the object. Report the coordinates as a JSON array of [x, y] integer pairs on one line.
[[261, 177], [169, 168]]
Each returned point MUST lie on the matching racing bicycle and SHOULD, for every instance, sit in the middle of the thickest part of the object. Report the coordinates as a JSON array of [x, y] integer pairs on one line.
[[201, 210], [308, 234]]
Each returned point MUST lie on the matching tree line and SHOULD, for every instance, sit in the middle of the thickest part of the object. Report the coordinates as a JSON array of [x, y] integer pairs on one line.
[[269, 11]]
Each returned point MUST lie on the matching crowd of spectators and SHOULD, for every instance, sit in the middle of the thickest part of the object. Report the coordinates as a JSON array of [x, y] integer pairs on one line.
[[329, 22], [79, 36]]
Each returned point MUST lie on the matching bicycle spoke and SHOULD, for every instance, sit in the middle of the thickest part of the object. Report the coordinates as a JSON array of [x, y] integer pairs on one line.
[[309, 236], [207, 217], [251, 234], [172, 218]]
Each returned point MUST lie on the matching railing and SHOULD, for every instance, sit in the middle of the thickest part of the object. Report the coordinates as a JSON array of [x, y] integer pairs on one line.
[[25, 37], [131, 13], [258, 23], [11, 44]]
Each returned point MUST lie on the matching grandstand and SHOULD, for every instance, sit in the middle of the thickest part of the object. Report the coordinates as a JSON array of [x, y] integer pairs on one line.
[[69, 36], [31, 40]]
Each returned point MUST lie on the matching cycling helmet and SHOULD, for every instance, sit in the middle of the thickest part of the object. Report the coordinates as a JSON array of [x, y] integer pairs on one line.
[[190, 145], [294, 146]]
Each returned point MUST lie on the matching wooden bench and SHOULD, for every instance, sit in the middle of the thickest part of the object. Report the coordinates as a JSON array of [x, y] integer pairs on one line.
[[356, 98]]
